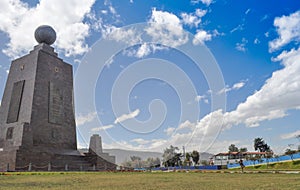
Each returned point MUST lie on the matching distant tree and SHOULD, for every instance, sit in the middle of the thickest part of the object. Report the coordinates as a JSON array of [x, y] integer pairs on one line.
[[127, 164], [204, 162], [195, 156], [243, 149], [261, 146], [188, 159], [136, 161], [233, 148], [171, 157], [152, 162], [134, 158], [290, 153]]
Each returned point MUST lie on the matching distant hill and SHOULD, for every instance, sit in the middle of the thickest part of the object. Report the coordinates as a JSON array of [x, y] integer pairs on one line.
[[123, 155]]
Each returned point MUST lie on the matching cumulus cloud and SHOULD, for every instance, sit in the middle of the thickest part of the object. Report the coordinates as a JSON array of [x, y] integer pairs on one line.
[[19, 21], [201, 36], [170, 130], [193, 19], [128, 36], [127, 116], [186, 125], [288, 29], [166, 28], [279, 94]]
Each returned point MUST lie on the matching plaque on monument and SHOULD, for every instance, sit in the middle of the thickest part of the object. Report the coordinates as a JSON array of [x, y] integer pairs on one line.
[[56, 109], [15, 102]]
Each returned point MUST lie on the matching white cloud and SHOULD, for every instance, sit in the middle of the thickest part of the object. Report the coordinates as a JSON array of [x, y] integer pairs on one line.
[[205, 2], [201, 36], [102, 128], [193, 19], [242, 45], [288, 29], [166, 28], [169, 131], [290, 135], [19, 21], [236, 86], [279, 94], [256, 41], [265, 17], [199, 98], [267, 34], [127, 116], [239, 27], [140, 141], [206, 101], [247, 11], [129, 36], [82, 119], [144, 50], [186, 125]]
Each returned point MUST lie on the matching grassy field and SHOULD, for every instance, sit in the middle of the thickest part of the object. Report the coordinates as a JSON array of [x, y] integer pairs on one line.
[[148, 180]]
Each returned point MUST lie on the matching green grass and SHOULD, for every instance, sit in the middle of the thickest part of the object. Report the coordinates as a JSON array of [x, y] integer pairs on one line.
[[147, 180]]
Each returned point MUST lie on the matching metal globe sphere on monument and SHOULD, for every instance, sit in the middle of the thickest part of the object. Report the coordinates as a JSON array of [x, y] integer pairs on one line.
[[45, 34]]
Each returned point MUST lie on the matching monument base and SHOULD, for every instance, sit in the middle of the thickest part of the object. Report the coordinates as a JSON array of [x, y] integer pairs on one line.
[[70, 160]]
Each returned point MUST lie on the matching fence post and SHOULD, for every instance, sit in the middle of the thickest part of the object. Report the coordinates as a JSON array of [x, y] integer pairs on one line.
[[49, 166], [29, 167], [94, 167]]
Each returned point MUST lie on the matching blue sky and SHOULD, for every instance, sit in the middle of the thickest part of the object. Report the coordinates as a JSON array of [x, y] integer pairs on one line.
[[197, 73]]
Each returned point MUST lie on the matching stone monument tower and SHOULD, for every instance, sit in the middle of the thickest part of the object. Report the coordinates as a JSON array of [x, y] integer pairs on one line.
[[37, 122]]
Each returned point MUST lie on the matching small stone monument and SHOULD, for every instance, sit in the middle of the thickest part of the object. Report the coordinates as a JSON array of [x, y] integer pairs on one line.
[[37, 122]]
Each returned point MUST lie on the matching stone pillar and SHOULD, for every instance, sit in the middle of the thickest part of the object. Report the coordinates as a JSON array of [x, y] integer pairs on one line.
[[95, 145]]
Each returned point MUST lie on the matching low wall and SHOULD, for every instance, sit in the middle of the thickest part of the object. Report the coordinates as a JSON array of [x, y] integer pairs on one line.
[[263, 161], [189, 168]]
